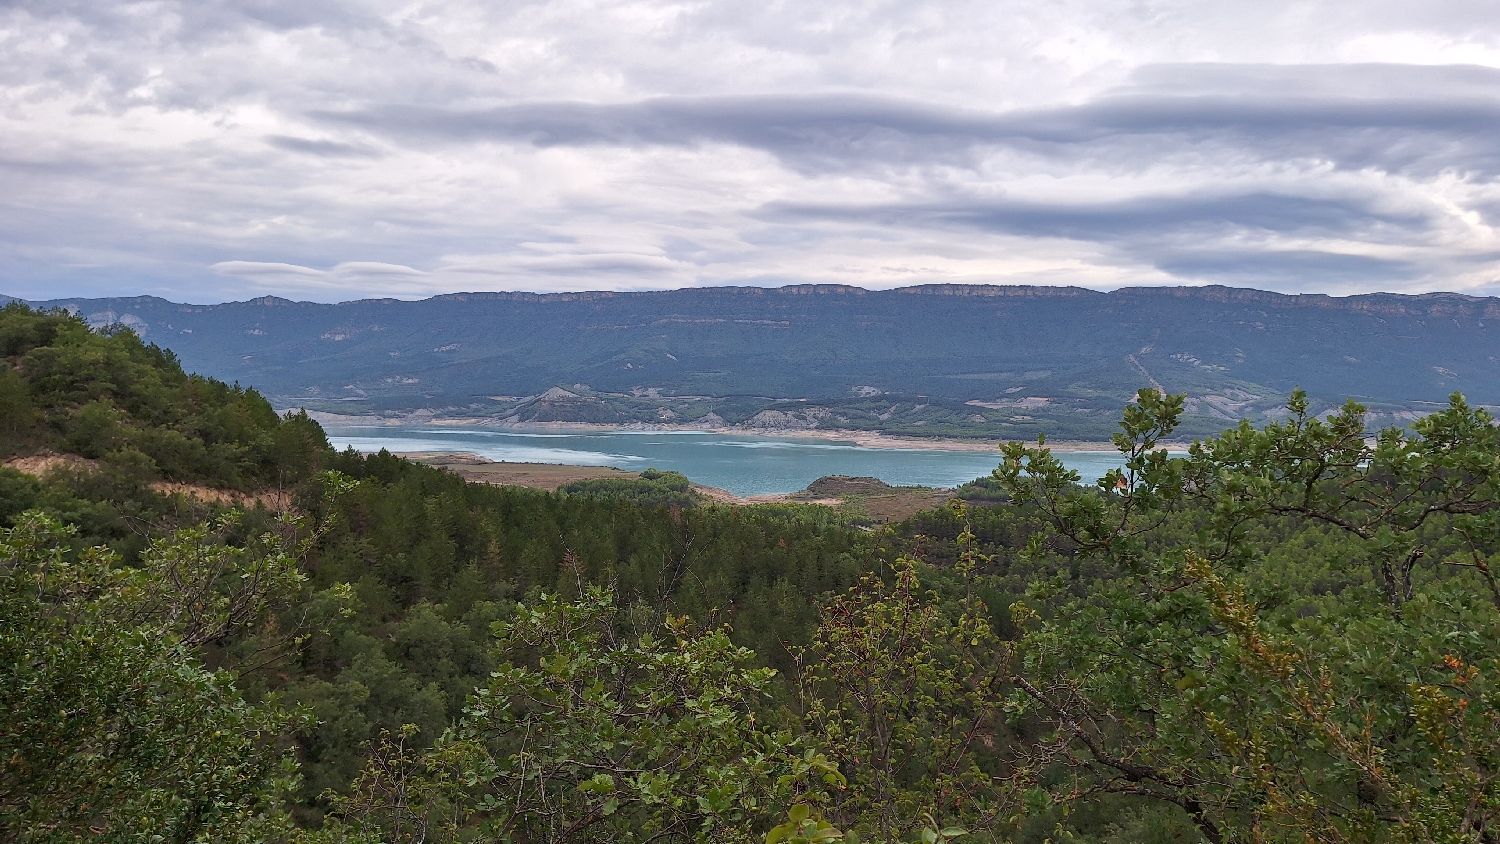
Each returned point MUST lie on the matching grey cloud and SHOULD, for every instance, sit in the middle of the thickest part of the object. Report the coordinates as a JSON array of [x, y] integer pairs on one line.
[[1291, 271], [1303, 116], [312, 146], [282, 15], [823, 126], [1343, 81], [1416, 137], [1435, 118], [1152, 216], [196, 18], [1183, 236]]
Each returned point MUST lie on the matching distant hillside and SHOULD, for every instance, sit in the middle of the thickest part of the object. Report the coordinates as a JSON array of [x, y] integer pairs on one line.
[[963, 360]]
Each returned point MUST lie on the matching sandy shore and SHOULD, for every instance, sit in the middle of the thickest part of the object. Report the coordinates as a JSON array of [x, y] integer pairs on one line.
[[867, 439]]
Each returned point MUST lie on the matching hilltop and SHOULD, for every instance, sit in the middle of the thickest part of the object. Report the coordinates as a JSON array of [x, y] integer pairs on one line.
[[932, 360]]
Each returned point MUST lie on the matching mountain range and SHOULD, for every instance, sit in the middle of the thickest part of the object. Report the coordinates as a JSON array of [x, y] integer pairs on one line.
[[948, 360]]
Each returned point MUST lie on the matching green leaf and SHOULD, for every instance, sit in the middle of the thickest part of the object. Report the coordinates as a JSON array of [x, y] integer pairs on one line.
[[598, 784]]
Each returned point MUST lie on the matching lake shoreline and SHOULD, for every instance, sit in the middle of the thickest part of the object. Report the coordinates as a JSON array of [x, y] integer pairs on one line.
[[743, 463], [866, 439], [880, 505]]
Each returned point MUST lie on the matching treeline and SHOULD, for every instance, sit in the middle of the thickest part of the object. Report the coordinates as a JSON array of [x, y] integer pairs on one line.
[[1289, 635]]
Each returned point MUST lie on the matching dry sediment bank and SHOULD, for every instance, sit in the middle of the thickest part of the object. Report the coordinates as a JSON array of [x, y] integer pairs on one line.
[[887, 503], [867, 439], [550, 476]]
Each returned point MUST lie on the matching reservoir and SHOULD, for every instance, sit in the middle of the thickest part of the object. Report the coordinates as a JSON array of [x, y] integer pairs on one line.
[[740, 463]]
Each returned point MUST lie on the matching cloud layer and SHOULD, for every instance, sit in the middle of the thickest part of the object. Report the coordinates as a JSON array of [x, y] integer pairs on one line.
[[330, 150]]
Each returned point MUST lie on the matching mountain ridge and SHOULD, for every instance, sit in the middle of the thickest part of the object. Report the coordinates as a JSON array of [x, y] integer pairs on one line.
[[1212, 292], [987, 361]]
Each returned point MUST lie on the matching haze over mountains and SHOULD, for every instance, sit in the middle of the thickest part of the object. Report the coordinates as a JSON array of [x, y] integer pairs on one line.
[[984, 361]]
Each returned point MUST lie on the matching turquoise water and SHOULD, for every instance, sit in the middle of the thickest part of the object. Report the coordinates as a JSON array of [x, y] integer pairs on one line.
[[742, 464]]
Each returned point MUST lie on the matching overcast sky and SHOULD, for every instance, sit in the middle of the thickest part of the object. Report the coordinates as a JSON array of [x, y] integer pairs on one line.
[[330, 149]]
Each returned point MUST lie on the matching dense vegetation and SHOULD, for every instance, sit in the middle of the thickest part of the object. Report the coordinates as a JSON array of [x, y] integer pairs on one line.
[[1064, 361], [651, 487], [107, 396], [1288, 635]]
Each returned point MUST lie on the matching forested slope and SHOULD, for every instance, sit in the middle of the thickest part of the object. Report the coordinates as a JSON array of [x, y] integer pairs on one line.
[[106, 395], [1291, 634]]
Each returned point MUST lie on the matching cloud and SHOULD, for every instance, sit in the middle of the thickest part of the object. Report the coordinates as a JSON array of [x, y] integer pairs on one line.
[[1397, 118], [590, 265], [314, 146], [829, 126], [1288, 270], [334, 149], [265, 268], [1193, 239], [568, 270], [366, 268], [1152, 216], [372, 276]]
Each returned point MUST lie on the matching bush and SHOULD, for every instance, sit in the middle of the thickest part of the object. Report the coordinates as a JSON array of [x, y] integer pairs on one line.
[[651, 488]]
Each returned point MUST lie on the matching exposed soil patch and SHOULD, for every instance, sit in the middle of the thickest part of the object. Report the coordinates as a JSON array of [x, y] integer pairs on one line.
[[271, 499], [40, 464]]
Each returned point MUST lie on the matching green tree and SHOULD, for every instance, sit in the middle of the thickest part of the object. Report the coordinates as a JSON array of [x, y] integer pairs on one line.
[[65, 387], [110, 727], [1263, 649], [17, 415], [588, 732], [907, 699]]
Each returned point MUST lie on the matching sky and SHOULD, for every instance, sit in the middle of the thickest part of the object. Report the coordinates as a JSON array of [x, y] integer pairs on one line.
[[330, 150]]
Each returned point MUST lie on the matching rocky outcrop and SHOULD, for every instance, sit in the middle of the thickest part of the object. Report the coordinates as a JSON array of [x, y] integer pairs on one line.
[[786, 420]]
